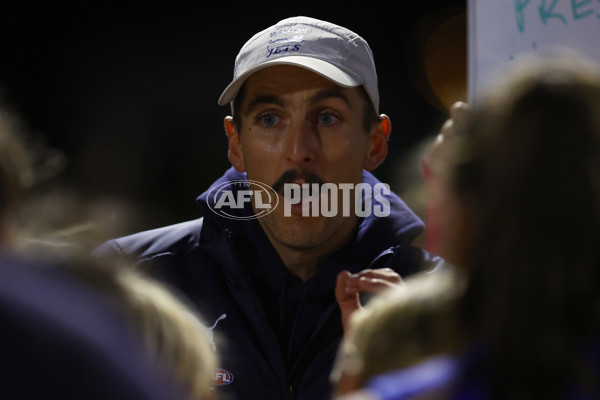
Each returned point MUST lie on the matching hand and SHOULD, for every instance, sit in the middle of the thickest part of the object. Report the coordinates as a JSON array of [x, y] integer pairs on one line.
[[349, 285], [454, 124], [458, 112]]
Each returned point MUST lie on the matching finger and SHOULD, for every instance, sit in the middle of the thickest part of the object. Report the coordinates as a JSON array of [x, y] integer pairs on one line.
[[347, 288], [347, 283], [340, 285], [348, 302], [377, 272], [386, 274], [375, 285], [459, 108], [431, 153], [446, 130], [458, 115]]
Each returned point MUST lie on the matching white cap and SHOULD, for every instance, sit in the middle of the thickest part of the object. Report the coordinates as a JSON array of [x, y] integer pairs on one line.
[[329, 50]]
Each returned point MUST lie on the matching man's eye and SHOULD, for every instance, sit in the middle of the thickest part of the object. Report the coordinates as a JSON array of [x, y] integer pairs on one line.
[[268, 120], [327, 118]]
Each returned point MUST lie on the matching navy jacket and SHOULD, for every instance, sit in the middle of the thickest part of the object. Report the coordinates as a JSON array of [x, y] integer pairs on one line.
[[276, 335]]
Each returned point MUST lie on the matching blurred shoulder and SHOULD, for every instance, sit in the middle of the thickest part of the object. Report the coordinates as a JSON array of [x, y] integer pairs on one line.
[[147, 244]]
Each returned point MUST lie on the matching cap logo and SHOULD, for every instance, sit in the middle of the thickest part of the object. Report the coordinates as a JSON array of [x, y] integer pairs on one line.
[[284, 45], [288, 29]]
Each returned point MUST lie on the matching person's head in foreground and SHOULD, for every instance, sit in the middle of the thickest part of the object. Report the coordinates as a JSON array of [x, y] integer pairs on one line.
[[525, 181], [521, 218], [169, 327], [400, 327]]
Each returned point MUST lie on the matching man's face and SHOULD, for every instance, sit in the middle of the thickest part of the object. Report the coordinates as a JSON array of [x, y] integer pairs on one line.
[[300, 126]]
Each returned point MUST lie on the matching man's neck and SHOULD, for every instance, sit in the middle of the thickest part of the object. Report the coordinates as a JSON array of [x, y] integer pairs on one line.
[[301, 264]]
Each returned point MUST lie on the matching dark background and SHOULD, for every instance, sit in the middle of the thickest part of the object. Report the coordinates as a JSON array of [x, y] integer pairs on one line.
[[127, 92]]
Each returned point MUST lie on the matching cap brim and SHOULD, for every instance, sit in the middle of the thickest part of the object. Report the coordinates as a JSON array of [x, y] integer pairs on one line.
[[315, 65]]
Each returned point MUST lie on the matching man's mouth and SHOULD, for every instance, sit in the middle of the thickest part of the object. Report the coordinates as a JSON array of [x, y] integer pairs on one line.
[[309, 184], [297, 177], [309, 196]]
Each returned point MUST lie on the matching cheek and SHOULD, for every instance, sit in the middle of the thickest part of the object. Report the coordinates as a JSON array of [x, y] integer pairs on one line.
[[446, 222], [262, 164], [347, 152], [261, 147]]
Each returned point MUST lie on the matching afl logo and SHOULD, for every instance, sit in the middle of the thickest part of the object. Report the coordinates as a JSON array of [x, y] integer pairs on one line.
[[227, 197], [222, 377]]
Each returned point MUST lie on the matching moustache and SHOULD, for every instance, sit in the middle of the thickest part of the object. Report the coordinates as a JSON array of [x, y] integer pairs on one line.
[[291, 175]]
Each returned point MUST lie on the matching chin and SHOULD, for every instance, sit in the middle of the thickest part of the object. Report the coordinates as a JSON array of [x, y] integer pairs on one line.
[[298, 231]]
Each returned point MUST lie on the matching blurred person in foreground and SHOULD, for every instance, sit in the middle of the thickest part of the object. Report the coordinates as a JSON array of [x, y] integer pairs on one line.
[[305, 111], [171, 331], [411, 325], [75, 328], [519, 216]]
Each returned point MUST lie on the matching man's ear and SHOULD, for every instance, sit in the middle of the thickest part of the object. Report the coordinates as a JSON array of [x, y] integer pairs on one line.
[[378, 142], [235, 153]]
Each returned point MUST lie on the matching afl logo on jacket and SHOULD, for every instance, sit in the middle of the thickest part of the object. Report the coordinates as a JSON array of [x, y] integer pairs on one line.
[[222, 377]]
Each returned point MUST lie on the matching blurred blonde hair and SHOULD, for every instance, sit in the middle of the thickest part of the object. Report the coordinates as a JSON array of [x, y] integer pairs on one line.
[[401, 326], [49, 231], [170, 329], [15, 170]]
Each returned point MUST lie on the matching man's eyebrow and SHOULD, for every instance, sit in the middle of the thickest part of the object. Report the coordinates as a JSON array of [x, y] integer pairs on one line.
[[265, 99], [325, 94]]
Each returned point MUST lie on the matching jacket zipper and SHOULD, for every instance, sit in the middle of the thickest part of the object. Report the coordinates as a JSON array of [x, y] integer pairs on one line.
[[272, 342]]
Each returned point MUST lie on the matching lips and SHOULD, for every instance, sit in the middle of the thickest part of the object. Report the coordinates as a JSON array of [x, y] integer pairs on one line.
[[308, 204], [310, 192], [297, 177]]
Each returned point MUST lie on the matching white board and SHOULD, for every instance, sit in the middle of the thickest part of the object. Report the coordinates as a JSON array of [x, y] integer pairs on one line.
[[500, 31]]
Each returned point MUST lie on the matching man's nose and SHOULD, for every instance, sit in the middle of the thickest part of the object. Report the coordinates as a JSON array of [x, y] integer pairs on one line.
[[302, 144]]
